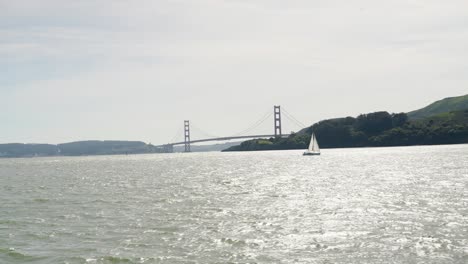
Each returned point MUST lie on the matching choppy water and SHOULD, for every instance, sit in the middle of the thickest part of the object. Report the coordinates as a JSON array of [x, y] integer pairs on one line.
[[375, 205]]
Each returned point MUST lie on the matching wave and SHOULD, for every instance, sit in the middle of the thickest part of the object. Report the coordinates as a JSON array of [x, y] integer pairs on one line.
[[118, 260], [41, 200], [10, 255]]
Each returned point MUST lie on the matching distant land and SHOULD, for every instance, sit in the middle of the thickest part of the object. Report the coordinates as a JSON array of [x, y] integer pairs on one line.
[[79, 148], [95, 147], [442, 122]]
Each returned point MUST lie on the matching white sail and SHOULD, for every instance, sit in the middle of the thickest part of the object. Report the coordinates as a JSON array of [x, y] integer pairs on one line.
[[313, 145], [316, 145]]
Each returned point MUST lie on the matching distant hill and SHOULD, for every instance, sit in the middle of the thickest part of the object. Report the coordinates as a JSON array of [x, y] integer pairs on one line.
[[343, 132], [27, 150], [79, 148], [94, 147], [106, 147], [442, 106], [429, 126]]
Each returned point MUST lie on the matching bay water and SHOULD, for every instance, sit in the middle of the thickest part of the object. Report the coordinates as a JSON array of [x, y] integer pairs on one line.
[[363, 205]]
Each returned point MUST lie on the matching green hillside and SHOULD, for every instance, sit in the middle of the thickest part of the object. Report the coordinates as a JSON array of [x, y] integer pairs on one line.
[[442, 106], [377, 129]]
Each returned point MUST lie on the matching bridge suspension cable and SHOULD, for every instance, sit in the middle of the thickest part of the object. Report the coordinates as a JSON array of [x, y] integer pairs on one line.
[[201, 132], [256, 124], [290, 117], [178, 135]]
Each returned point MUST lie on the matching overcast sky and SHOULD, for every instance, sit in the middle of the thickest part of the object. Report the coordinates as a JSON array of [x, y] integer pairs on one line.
[[134, 70]]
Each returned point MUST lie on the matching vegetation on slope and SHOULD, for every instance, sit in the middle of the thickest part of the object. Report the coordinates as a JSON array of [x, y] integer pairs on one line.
[[441, 106], [374, 129]]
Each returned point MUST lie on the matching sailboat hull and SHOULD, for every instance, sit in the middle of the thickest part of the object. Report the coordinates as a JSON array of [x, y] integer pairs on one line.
[[311, 154]]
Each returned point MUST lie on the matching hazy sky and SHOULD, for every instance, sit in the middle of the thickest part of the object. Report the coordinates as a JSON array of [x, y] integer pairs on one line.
[[134, 70]]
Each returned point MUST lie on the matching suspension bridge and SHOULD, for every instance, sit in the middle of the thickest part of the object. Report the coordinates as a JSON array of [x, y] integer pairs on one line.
[[245, 134]]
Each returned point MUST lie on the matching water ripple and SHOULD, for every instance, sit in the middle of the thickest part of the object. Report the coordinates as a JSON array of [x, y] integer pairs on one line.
[[382, 205]]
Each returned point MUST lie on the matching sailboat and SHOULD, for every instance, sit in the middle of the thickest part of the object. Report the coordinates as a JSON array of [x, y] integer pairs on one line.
[[314, 148]]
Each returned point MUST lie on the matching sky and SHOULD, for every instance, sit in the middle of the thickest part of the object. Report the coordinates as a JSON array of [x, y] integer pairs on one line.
[[135, 70]]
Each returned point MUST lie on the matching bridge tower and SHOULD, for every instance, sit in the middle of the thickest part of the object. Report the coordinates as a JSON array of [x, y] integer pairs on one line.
[[187, 135], [277, 115]]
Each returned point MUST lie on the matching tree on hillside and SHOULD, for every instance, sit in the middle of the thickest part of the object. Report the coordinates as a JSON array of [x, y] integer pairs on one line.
[[374, 123], [399, 119]]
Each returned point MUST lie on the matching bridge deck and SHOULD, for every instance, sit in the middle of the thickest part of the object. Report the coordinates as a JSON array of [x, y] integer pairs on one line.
[[221, 139]]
